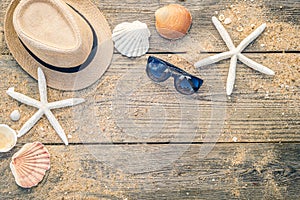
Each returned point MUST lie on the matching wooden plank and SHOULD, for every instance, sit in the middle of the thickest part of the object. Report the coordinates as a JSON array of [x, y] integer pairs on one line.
[[125, 106], [137, 134], [282, 18], [229, 171]]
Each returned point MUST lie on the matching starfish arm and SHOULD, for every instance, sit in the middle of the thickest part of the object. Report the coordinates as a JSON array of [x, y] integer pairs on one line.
[[30, 123], [22, 98], [251, 37], [65, 103], [214, 59], [42, 86], [231, 75], [57, 127], [224, 34], [254, 65]]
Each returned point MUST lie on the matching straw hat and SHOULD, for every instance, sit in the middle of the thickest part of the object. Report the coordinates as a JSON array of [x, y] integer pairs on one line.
[[69, 39]]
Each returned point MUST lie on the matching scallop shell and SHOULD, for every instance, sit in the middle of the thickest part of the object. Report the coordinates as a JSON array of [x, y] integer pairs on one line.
[[173, 21], [29, 164], [8, 138], [131, 39]]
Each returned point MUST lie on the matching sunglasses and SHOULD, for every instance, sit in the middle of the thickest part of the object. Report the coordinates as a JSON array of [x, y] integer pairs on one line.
[[159, 70]]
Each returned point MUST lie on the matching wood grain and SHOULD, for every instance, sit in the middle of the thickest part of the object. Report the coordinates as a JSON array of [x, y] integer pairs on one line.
[[125, 106], [134, 139], [229, 171], [203, 35]]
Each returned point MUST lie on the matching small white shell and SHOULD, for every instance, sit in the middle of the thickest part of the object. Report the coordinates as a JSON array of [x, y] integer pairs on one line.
[[15, 115], [8, 138], [227, 21], [131, 39]]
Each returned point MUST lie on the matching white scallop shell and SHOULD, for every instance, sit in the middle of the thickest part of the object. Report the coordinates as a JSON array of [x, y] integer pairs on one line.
[[30, 164], [131, 39], [8, 138]]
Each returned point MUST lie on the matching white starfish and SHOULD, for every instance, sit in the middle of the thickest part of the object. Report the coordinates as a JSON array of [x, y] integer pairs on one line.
[[44, 107], [235, 53]]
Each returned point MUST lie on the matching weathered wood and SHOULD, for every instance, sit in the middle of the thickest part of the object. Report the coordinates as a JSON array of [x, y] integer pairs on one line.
[[281, 34], [125, 106], [229, 171], [129, 124]]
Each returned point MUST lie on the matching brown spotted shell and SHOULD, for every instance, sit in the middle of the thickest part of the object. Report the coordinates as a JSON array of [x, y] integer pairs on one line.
[[30, 164], [173, 21]]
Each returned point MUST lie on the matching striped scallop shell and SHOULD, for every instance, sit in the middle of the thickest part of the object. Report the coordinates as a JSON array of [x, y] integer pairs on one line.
[[131, 39], [30, 164]]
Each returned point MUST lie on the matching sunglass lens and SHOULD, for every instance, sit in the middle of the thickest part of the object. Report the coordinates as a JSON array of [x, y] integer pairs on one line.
[[187, 85], [157, 70]]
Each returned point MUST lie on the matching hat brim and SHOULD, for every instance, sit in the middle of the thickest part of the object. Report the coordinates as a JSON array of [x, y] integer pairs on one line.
[[66, 80]]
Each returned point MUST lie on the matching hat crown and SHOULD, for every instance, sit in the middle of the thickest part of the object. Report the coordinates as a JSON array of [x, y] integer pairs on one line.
[[93, 30], [53, 32]]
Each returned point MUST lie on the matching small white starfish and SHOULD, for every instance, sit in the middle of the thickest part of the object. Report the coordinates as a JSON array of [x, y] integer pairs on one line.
[[44, 107], [235, 53]]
